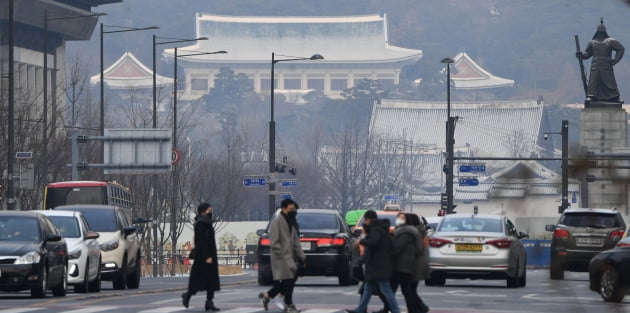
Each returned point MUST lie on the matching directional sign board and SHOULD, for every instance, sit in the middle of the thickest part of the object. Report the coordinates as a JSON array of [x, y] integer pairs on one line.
[[472, 168], [254, 181], [391, 197], [288, 183], [286, 196], [469, 181]]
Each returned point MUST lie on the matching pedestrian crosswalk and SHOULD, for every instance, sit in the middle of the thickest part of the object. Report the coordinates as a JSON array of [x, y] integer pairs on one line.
[[140, 309]]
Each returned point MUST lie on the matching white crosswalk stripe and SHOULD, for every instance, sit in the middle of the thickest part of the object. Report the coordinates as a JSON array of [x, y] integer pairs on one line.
[[320, 311], [166, 309], [94, 309], [20, 310]]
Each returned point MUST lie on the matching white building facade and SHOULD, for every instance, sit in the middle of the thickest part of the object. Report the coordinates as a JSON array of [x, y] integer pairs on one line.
[[353, 47]]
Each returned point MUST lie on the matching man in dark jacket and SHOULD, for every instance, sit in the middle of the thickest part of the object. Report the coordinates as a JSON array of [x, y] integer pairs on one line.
[[204, 274], [378, 263]]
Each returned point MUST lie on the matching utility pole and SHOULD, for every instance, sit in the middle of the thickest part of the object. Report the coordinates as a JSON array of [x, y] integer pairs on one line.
[[10, 126], [565, 166], [450, 139]]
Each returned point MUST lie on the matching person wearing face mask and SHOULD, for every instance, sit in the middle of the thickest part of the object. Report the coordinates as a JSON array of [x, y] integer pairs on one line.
[[285, 250], [204, 274], [407, 251]]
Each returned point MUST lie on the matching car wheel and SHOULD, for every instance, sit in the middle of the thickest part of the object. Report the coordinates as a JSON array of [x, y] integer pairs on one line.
[[611, 288], [555, 270], [120, 282], [95, 285], [83, 287], [40, 291], [62, 288], [512, 282], [264, 277], [522, 281], [133, 280], [435, 280]]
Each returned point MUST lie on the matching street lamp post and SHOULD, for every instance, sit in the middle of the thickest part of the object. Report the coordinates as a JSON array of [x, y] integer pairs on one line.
[[174, 176], [450, 139], [10, 113], [272, 125], [155, 43], [45, 71], [564, 186], [121, 29]]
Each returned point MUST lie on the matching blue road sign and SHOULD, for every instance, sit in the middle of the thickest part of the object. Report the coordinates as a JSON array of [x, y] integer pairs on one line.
[[254, 181], [472, 168], [472, 181], [286, 196], [288, 183], [391, 197]]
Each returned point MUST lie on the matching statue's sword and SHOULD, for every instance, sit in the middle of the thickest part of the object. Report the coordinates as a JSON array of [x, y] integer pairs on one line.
[[582, 71]]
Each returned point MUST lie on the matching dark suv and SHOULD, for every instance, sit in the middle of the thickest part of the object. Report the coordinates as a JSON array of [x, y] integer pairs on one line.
[[326, 242], [579, 235]]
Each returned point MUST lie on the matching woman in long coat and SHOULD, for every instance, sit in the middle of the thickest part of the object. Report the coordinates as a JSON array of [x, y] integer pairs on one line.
[[204, 274]]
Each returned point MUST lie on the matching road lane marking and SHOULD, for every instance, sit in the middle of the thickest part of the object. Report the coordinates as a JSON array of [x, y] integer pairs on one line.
[[320, 311], [95, 309], [21, 310], [166, 309]]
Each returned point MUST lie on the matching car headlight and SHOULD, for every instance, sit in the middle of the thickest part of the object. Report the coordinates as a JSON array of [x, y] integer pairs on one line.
[[109, 246], [29, 258], [74, 254]]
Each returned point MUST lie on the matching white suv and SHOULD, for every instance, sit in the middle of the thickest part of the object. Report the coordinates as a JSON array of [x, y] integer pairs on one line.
[[120, 245]]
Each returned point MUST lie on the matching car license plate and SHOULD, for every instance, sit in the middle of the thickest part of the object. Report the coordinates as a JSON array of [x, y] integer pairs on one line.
[[460, 247], [306, 245], [589, 241]]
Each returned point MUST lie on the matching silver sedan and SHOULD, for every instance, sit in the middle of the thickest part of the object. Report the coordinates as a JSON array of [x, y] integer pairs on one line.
[[477, 247]]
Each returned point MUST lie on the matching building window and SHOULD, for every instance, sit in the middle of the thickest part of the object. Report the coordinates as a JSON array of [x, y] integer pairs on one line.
[[317, 84], [293, 83], [338, 84], [265, 83], [199, 84]]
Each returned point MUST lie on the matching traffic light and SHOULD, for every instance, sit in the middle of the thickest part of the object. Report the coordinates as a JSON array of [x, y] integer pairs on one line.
[[444, 201]]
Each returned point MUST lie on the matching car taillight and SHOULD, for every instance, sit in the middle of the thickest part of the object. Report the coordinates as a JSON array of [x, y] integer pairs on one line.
[[327, 242], [561, 234], [616, 235], [438, 242], [623, 245], [265, 242], [500, 243]]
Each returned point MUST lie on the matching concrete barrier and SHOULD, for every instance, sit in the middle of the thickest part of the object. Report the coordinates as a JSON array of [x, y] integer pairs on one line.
[[538, 252]]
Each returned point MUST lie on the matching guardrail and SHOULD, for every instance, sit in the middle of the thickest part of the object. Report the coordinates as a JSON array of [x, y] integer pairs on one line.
[[178, 263]]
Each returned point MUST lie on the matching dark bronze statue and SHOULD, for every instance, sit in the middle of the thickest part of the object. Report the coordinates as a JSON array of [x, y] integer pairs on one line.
[[602, 86]]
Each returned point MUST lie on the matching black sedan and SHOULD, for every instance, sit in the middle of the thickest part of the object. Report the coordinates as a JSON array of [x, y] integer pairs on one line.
[[609, 272], [33, 255], [326, 242]]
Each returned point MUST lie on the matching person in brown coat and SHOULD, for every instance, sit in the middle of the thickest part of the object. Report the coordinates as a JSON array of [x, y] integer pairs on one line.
[[204, 274], [285, 251]]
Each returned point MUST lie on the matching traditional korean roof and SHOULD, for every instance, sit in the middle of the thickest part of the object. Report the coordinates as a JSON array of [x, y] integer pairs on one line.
[[340, 39], [467, 74], [129, 73], [499, 129]]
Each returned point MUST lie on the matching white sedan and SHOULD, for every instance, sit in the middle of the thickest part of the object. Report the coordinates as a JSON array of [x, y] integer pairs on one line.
[[84, 252], [477, 247]]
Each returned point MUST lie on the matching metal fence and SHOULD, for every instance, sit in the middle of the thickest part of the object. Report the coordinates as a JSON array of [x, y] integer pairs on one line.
[[178, 263]]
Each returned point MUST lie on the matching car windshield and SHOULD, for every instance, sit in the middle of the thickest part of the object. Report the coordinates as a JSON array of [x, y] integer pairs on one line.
[[68, 226], [588, 219], [473, 224], [19, 228], [391, 218], [101, 220], [317, 221]]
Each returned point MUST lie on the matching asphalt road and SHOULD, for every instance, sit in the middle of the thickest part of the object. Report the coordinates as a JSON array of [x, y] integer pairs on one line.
[[322, 295]]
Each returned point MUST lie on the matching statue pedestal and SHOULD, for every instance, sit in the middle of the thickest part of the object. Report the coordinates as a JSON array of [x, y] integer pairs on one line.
[[604, 129], [602, 105]]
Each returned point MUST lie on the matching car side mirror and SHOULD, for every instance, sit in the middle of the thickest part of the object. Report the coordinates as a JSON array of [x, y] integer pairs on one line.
[[260, 232], [92, 235], [522, 235], [129, 230], [550, 227], [356, 233], [53, 237]]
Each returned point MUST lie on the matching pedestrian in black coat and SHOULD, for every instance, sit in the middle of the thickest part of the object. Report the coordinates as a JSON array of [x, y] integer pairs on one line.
[[204, 274]]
